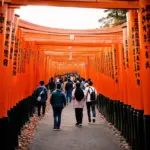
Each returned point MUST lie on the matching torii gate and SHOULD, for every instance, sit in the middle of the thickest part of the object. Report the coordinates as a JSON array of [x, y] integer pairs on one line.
[[117, 59]]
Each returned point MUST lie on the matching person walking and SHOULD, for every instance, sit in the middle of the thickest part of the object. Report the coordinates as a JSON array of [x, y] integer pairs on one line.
[[58, 102], [69, 89], [78, 97], [91, 97], [41, 95], [52, 84], [83, 84], [74, 84]]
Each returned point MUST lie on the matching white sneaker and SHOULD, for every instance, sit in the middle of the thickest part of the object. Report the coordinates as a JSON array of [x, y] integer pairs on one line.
[[94, 119], [58, 129], [79, 125], [54, 129]]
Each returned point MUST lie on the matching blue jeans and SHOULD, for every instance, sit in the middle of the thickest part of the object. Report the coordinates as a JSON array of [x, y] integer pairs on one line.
[[91, 105], [69, 96], [57, 117]]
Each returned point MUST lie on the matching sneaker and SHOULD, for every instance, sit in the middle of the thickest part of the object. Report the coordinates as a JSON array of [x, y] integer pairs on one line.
[[94, 120], [58, 129], [89, 122], [54, 129], [80, 125]]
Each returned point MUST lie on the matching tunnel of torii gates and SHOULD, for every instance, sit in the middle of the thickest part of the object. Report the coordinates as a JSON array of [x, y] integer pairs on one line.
[[117, 59]]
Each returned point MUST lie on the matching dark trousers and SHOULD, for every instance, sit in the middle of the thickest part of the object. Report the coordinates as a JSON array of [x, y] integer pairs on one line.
[[43, 106], [69, 96], [57, 117], [91, 105], [79, 115]]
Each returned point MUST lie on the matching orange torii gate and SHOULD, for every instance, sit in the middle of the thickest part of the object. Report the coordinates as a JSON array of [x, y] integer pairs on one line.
[[116, 59]]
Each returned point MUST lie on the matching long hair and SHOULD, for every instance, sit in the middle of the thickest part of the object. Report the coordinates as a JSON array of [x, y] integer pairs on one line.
[[79, 94]]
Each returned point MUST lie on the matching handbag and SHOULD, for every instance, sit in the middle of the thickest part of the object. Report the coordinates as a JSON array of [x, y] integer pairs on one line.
[[39, 97]]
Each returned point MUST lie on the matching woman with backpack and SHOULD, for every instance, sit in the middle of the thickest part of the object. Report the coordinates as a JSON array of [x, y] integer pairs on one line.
[[78, 103]]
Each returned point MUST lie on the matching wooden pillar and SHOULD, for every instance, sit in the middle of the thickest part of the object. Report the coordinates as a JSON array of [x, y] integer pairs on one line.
[[17, 79], [126, 89], [144, 36], [14, 48], [135, 74], [121, 85], [3, 99], [3, 20]]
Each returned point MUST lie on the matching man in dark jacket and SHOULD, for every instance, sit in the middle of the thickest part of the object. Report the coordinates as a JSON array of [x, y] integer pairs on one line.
[[69, 89], [58, 101], [52, 85], [41, 95]]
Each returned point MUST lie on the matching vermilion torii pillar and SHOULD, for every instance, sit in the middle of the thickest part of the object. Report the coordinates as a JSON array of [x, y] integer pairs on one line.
[[144, 33]]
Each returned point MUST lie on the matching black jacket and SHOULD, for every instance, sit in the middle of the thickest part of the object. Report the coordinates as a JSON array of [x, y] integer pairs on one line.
[[58, 99], [69, 86]]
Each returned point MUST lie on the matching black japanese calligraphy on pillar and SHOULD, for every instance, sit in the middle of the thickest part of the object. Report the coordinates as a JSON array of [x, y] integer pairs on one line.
[[123, 58], [145, 11], [111, 64], [126, 54], [28, 56], [102, 61], [13, 38], [115, 65], [15, 57], [106, 60], [135, 50], [19, 60], [22, 62], [108, 72], [2, 20], [26, 59], [7, 43]]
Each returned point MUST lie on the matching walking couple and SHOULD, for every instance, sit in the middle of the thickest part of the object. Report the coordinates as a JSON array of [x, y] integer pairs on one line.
[[58, 102], [80, 96]]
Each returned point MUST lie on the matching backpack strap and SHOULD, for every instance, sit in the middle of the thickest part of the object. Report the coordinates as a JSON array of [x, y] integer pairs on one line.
[[92, 89], [42, 90], [88, 92]]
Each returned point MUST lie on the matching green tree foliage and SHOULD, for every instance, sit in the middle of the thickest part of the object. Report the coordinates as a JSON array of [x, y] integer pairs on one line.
[[114, 17]]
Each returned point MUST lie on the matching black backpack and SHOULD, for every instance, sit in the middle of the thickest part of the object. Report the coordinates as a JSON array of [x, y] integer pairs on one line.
[[92, 95]]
